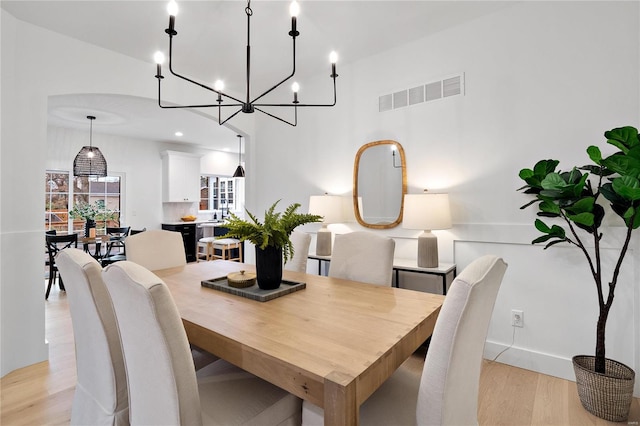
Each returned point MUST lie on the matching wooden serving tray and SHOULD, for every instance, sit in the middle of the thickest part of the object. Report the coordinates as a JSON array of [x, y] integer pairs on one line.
[[254, 292]]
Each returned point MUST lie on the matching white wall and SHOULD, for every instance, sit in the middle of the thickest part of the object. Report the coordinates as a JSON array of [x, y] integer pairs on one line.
[[36, 64], [139, 161], [543, 79]]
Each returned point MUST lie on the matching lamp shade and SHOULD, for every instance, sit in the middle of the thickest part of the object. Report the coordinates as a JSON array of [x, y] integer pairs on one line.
[[330, 207], [426, 211], [90, 162]]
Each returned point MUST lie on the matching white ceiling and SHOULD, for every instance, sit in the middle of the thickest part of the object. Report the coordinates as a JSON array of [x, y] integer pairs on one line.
[[211, 44]]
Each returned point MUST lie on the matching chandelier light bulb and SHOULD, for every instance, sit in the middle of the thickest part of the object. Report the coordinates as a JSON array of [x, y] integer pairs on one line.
[[294, 9], [90, 154], [295, 87], [172, 8], [333, 57], [219, 85], [158, 57]]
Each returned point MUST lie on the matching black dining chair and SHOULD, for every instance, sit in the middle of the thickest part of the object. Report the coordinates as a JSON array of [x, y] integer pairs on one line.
[[116, 241], [55, 243], [137, 231]]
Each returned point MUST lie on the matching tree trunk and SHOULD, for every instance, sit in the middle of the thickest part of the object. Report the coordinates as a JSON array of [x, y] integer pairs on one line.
[[600, 334]]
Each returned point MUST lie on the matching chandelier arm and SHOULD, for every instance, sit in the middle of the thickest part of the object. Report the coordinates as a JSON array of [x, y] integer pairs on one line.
[[228, 118], [293, 71], [335, 96], [294, 124], [187, 106], [204, 86]]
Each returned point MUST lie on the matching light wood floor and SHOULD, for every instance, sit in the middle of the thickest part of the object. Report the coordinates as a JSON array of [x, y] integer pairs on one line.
[[42, 394]]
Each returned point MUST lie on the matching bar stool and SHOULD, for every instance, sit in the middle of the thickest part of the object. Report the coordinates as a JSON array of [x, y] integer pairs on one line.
[[205, 248], [226, 246]]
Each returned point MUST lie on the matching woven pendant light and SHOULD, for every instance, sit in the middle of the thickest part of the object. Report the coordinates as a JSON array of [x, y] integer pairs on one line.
[[90, 161]]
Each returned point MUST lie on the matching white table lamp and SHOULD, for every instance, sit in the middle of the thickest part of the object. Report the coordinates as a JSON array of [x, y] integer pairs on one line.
[[330, 208], [427, 212]]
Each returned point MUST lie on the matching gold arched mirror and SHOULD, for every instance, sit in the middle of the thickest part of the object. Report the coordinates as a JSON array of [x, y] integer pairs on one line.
[[379, 184]]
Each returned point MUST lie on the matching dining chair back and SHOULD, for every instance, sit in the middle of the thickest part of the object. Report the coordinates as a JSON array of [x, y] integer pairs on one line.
[[300, 242], [137, 231], [363, 256], [116, 236], [446, 391], [163, 388], [101, 389], [451, 375], [56, 243], [156, 249]]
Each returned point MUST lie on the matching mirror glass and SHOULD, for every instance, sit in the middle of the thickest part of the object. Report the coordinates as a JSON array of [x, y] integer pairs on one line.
[[379, 184]]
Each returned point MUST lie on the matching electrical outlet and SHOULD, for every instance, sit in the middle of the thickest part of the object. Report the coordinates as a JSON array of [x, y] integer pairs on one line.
[[517, 318]]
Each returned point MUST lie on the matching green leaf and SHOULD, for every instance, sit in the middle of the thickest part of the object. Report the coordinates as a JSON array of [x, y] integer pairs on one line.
[[549, 207], [624, 138], [544, 167], [553, 243], [585, 219], [553, 181], [627, 187], [525, 174], [542, 239], [582, 205], [594, 154], [542, 227], [558, 231]]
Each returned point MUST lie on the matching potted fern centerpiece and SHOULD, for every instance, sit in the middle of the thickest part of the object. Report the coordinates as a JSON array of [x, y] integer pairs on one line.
[[271, 238], [605, 386]]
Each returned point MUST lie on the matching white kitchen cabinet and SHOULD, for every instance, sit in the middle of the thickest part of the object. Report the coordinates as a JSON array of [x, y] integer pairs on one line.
[[180, 177]]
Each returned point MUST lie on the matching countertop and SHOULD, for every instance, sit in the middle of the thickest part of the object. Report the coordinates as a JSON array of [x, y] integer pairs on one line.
[[195, 222]]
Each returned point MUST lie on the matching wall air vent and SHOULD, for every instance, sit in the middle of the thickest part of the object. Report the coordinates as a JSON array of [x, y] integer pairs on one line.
[[416, 95], [400, 99], [434, 90], [451, 86], [447, 87], [385, 103]]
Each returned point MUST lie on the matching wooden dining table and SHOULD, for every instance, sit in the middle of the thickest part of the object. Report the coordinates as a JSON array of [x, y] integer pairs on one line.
[[332, 343]]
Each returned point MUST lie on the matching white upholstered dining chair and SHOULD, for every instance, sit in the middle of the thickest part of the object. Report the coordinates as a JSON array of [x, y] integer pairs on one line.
[[163, 388], [363, 256], [300, 242], [101, 390], [446, 393], [156, 249]]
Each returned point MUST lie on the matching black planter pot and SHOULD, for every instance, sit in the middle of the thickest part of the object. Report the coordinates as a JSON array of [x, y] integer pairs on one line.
[[269, 267], [88, 224]]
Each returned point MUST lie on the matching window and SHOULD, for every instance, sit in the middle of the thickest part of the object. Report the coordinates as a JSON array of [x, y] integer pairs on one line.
[[56, 205], [91, 189], [218, 193], [58, 194]]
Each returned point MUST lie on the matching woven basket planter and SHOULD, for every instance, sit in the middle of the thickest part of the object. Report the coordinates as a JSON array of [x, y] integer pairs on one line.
[[609, 395]]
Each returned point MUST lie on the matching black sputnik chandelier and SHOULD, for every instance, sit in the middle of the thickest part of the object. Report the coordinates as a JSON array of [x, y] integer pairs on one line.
[[249, 105]]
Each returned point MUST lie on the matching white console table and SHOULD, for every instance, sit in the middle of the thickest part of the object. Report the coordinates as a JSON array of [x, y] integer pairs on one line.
[[443, 270]]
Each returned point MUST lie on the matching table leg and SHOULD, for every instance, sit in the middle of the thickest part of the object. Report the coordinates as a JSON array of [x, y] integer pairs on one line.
[[444, 284], [340, 404]]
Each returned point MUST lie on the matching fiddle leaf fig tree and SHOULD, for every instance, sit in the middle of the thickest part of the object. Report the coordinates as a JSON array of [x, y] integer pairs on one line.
[[572, 197]]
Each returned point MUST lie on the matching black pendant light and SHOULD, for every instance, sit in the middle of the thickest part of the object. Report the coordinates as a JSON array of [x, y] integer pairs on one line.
[[90, 161], [239, 170]]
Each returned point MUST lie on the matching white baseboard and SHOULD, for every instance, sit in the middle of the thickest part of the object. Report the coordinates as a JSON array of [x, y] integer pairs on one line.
[[549, 364]]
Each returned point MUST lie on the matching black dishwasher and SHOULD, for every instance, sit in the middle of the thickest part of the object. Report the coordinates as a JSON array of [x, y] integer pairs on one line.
[[188, 231]]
